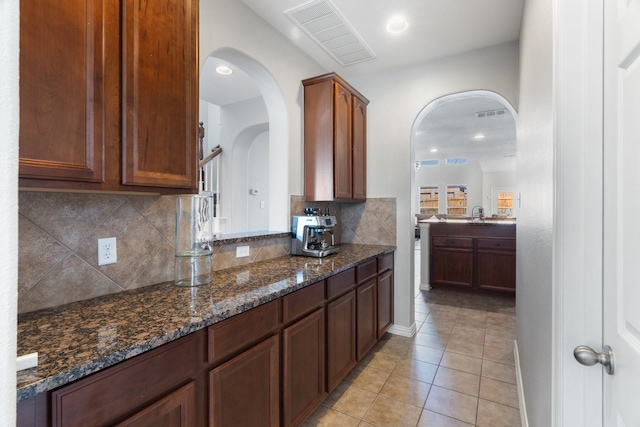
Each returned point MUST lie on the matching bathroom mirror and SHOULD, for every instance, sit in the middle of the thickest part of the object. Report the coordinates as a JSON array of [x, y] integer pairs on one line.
[[243, 113]]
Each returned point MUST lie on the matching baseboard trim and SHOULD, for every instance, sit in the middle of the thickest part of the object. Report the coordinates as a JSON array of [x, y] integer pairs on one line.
[[425, 287], [523, 407], [402, 330]]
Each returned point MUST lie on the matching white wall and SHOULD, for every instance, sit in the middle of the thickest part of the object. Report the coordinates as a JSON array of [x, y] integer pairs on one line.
[[396, 100], [9, 119], [535, 166], [259, 179], [231, 24]]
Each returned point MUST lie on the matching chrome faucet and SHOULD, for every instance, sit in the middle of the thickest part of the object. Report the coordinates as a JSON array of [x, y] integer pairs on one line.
[[480, 212]]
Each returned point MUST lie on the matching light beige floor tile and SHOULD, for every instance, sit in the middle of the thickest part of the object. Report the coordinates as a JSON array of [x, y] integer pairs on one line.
[[491, 414], [350, 399], [452, 404], [439, 331], [433, 419], [426, 354], [380, 360], [500, 355], [500, 332], [461, 362], [465, 347], [476, 316], [392, 347], [469, 324], [472, 336], [501, 319], [501, 342], [406, 390], [327, 417], [458, 381], [364, 424], [429, 340], [371, 379], [499, 392], [389, 412], [421, 317], [417, 370], [499, 371]]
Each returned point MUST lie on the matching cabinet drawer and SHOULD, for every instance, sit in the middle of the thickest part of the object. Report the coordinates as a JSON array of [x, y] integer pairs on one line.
[[233, 335], [302, 302], [453, 242], [340, 283], [104, 397], [366, 270], [504, 244], [385, 262]]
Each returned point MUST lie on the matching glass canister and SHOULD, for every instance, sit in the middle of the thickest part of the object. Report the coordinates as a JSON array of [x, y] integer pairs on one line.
[[194, 239]]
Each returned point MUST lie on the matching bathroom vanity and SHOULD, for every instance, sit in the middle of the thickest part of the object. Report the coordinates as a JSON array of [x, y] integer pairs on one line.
[[477, 256]]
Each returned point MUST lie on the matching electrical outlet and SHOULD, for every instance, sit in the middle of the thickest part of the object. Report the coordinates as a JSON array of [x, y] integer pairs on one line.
[[242, 251], [107, 251]]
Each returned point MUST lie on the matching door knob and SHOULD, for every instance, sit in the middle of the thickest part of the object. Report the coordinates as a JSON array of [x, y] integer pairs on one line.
[[589, 357]]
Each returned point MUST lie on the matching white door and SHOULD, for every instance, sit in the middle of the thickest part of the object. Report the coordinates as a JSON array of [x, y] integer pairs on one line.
[[621, 258]]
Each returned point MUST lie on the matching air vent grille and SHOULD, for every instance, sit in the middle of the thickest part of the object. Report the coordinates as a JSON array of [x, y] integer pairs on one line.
[[490, 113], [321, 21]]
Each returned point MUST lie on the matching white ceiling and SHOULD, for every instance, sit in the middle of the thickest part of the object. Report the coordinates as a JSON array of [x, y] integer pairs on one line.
[[437, 28]]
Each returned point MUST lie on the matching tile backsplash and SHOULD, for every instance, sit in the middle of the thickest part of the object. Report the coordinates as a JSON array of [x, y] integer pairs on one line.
[[58, 235]]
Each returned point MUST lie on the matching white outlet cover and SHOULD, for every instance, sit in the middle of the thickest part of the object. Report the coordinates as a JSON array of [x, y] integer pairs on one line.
[[107, 251], [242, 251]]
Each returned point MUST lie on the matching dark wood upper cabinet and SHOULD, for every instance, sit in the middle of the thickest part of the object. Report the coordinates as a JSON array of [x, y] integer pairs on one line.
[[334, 140], [64, 70], [108, 95]]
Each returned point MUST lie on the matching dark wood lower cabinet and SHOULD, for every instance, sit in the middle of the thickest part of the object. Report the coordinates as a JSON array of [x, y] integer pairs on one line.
[[385, 302], [303, 346], [341, 338], [473, 257], [367, 323], [245, 390], [269, 366], [175, 410]]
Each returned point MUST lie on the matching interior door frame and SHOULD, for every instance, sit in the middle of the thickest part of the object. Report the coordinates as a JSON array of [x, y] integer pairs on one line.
[[578, 47]]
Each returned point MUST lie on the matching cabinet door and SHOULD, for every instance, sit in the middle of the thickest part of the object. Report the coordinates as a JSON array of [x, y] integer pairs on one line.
[[343, 167], [341, 338], [245, 390], [497, 270], [359, 138], [302, 368], [452, 267], [178, 409], [65, 75], [159, 93], [385, 302], [366, 307]]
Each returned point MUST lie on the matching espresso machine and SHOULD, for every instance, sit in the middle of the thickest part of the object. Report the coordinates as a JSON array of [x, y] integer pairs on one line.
[[312, 234]]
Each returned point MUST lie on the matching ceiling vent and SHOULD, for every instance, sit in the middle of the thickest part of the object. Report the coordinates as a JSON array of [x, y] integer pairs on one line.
[[321, 21], [491, 113]]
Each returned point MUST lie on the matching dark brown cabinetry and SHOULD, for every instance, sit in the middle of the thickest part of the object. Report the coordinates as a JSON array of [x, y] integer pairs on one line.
[[271, 365], [245, 390], [341, 327], [385, 294], [335, 142], [303, 350], [480, 257], [108, 95]]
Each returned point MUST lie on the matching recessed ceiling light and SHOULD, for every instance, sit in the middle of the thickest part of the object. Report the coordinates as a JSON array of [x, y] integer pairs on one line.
[[434, 150], [397, 24], [478, 136], [225, 71]]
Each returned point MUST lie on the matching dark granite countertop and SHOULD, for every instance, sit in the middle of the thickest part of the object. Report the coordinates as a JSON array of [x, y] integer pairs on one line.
[[81, 338]]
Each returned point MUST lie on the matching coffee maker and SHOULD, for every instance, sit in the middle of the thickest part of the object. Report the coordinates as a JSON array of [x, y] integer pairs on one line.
[[312, 234]]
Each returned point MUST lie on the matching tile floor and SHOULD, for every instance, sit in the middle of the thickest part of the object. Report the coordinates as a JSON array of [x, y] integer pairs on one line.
[[458, 370]]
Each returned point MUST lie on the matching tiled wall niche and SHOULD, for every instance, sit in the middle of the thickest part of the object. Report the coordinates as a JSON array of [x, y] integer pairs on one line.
[[58, 235]]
